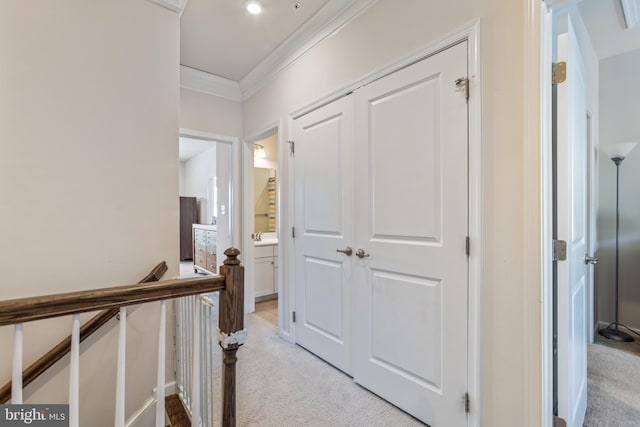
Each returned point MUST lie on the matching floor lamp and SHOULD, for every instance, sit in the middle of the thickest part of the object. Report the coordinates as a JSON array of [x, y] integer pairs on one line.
[[617, 153]]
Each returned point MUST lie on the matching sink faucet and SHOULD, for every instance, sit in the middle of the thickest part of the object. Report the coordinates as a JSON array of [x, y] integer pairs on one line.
[[258, 236]]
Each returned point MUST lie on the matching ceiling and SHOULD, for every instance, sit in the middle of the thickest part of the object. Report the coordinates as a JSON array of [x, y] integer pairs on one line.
[[606, 26], [220, 37], [190, 147]]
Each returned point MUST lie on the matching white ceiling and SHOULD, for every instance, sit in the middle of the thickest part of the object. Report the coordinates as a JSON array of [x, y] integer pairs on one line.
[[189, 147], [220, 37], [606, 26]]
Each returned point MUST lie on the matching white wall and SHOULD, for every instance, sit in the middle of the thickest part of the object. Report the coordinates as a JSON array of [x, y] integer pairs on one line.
[[384, 33], [88, 165], [209, 113], [197, 172], [181, 178], [620, 122]]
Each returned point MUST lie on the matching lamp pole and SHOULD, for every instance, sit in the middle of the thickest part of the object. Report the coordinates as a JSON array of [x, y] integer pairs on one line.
[[616, 334]]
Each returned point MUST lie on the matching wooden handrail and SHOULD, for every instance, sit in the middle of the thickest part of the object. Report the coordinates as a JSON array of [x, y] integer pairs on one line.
[[38, 367], [49, 306]]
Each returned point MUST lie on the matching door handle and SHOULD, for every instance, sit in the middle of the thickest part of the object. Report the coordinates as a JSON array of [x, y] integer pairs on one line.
[[360, 253], [590, 259], [347, 251]]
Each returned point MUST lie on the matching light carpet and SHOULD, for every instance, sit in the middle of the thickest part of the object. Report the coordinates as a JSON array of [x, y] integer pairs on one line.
[[283, 385], [613, 398]]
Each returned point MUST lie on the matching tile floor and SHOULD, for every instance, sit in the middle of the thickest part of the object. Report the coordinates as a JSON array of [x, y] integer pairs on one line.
[[268, 310]]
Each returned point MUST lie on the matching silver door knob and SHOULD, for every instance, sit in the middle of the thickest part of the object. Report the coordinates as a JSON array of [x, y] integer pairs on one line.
[[360, 253], [347, 251], [590, 259]]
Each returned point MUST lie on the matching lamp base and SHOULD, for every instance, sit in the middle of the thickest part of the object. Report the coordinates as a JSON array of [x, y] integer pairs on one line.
[[618, 335]]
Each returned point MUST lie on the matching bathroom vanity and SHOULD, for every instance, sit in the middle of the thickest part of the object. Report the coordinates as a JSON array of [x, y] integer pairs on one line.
[[266, 269]]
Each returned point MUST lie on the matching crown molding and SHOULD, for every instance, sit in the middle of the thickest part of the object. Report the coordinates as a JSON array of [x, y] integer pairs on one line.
[[631, 11], [176, 6], [331, 18], [199, 81]]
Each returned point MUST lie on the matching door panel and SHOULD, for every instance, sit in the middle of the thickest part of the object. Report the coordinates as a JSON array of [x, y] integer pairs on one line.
[[324, 224], [393, 117], [571, 223], [419, 328], [323, 289], [410, 293]]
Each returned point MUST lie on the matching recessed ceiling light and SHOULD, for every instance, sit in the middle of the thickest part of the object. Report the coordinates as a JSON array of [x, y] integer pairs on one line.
[[254, 7]]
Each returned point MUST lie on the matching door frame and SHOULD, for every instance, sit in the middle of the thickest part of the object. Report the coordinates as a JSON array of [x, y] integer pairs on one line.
[[470, 33], [538, 191], [248, 214], [235, 205]]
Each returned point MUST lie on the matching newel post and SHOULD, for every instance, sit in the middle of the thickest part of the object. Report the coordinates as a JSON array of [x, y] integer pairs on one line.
[[231, 332]]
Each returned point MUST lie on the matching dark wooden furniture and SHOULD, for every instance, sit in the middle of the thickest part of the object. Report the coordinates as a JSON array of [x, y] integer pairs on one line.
[[188, 217]]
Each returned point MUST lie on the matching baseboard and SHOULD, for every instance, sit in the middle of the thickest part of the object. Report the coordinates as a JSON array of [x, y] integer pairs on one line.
[[602, 325], [266, 297], [140, 416]]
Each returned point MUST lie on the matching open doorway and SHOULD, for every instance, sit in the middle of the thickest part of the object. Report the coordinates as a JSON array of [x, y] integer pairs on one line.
[[206, 201], [261, 223], [594, 380]]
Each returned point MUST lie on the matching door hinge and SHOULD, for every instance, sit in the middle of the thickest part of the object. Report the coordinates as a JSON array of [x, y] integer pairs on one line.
[[558, 73], [463, 82], [559, 250], [467, 245], [467, 403], [293, 232], [559, 422], [294, 317], [292, 147]]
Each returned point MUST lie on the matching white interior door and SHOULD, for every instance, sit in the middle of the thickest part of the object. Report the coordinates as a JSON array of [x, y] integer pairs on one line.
[[411, 287], [572, 227], [324, 225]]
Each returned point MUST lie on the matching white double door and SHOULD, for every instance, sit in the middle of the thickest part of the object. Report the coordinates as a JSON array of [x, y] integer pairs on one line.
[[384, 172]]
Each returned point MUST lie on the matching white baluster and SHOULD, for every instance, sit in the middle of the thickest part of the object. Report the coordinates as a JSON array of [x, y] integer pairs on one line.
[[195, 365], [74, 373], [178, 343], [202, 369], [120, 383], [161, 365], [186, 344], [16, 378]]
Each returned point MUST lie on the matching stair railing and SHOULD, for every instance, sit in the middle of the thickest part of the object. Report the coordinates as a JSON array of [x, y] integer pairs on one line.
[[229, 284]]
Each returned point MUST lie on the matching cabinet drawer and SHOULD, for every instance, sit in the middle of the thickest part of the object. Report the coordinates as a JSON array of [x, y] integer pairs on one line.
[[263, 251], [200, 260], [211, 263]]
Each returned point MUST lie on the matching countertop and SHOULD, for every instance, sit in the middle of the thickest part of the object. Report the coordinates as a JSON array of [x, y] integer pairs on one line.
[[266, 242], [210, 227]]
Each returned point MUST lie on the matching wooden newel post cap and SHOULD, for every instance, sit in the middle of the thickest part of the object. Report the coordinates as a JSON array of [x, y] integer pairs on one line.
[[232, 256]]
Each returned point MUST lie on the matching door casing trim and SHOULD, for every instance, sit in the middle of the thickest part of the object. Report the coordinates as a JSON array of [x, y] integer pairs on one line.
[[236, 205], [248, 214]]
